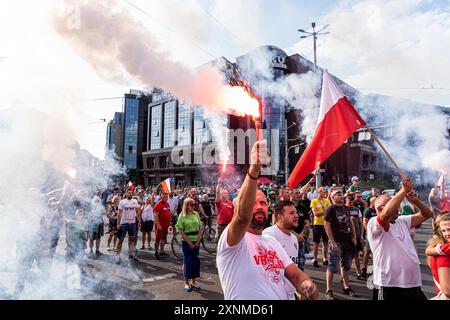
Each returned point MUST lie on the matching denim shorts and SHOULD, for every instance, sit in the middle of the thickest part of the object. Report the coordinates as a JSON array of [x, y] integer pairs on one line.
[[344, 255], [129, 228]]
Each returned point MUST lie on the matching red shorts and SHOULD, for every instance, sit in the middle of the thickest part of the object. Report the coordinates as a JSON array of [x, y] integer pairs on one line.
[[161, 234]]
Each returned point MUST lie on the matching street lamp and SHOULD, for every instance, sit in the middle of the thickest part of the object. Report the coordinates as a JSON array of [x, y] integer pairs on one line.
[[286, 159], [314, 34]]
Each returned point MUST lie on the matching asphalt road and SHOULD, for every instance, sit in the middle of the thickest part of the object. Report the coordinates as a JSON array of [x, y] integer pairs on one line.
[[162, 279]]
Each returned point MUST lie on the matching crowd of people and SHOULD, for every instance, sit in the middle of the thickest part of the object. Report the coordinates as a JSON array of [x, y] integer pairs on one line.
[[262, 234]]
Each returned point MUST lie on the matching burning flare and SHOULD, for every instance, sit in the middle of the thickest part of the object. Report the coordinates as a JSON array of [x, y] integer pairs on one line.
[[72, 173]]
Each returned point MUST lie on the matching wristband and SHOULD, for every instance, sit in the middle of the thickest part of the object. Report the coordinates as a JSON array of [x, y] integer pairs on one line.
[[253, 178]]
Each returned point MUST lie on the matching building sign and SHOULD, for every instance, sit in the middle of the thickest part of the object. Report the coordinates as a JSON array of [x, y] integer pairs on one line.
[[279, 61]]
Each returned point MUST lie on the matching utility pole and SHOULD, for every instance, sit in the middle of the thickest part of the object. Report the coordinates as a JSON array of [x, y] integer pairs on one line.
[[314, 34]]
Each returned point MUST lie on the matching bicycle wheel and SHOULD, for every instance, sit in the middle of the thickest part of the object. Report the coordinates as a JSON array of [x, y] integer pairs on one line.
[[209, 240], [176, 246]]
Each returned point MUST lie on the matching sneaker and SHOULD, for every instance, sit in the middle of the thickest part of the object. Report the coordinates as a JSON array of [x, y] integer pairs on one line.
[[325, 262], [196, 287], [187, 288], [98, 253], [315, 264], [109, 249], [133, 258], [142, 248], [329, 295], [118, 260], [156, 255], [350, 292], [360, 276], [150, 247]]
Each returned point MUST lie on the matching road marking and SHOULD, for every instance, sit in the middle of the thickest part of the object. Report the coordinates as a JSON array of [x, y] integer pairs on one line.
[[165, 276]]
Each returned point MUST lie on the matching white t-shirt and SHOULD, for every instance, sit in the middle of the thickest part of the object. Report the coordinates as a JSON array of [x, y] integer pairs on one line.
[[290, 245], [147, 214], [173, 203], [253, 269], [395, 260], [128, 208]]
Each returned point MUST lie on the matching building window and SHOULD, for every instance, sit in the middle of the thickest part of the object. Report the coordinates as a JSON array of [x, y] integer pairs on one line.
[[164, 162], [155, 138], [150, 163], [169, 123], [365, 161], [184, 123], [200, 127], [131, 118]]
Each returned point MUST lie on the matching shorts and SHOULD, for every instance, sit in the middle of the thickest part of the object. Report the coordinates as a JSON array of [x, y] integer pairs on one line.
[[174, 220], [367, 245], [95, 231], [112, 225], [147, 226], [129, 228], [396, 294], [161, 234], [319, 233], [344, 255]]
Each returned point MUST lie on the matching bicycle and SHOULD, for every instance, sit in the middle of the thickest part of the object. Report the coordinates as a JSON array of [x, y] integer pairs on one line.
[[208, 241]]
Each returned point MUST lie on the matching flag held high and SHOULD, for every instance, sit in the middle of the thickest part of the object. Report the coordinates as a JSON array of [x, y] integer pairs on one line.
[[338, 120]]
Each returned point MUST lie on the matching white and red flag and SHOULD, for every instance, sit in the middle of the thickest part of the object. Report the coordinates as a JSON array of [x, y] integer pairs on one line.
[[337, 121], [441, 180], [166, 185], [130, 185]]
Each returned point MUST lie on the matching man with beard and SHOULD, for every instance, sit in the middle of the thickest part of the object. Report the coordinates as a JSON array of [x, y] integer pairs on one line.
[[252, 265], [126, 223], [287, 219]]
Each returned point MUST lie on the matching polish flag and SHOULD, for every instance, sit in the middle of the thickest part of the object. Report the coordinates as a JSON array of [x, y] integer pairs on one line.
[[337, 121], [166, 185]]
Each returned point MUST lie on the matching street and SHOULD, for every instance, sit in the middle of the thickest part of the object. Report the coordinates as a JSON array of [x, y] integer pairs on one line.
[[163, 280]]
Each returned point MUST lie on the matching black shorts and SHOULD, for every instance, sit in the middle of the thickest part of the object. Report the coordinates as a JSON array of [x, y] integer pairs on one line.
[[147, 226], [319, 233], [95, 231], [398, 294], [112, 225], [125, 228]]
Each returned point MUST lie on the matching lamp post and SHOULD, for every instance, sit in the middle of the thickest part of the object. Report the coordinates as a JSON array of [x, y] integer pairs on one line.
[[314, 34], [286, 159], [286, 165]]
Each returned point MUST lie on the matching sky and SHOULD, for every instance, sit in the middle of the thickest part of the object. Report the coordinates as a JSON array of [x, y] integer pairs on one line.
[[397, 48]]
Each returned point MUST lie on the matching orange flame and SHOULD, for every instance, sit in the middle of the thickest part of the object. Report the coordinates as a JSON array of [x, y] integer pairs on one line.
[[240, 102], [72, 173]]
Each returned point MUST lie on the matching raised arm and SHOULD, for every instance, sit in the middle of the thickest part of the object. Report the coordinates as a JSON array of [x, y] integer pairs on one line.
[[425, 212], [390, 210], [246, 200], [305, 188], [218, 190]]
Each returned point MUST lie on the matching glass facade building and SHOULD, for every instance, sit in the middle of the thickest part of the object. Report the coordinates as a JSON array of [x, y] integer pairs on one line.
[[170, 112], [184, 125], [155, 126], [131, 133]]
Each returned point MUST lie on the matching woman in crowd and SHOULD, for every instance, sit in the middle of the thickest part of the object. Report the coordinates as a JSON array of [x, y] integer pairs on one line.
[[112, 212], [434, 202], [147, 222], [439, 261], [189, 227]]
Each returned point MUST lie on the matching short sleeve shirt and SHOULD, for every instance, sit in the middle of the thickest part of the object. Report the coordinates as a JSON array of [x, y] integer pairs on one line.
[[189, 224], [253, 269], [320, 205], [224, 211], [128, 208], [339, 219], [162, 209]]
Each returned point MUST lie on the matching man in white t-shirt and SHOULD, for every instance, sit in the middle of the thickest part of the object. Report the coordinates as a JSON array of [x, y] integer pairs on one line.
[[396, 269], [286, 218], [253, 266], [129, 209]]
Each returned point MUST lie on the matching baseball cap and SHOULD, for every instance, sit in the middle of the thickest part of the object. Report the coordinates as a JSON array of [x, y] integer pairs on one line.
[[334, 192], [272, 192], [354, 178]]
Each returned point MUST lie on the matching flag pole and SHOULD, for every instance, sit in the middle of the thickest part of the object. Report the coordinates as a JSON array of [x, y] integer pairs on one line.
[[385, 151]]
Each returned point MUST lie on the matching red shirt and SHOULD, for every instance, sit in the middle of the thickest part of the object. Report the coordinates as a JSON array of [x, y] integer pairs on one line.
[[224, 211], [445, 204], [435, 264], [162, 209]]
